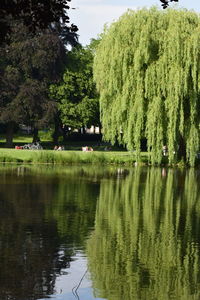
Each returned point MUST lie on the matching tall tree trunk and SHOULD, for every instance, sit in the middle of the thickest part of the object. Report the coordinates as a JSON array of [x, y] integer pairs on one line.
[[9, 134], [65, 132], [56, 133], [35, 135]]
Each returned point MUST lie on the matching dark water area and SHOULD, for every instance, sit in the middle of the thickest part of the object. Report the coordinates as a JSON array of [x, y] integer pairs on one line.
[[99, 233]]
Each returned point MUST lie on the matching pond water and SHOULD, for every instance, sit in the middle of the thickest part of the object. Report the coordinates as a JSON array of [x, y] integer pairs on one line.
[[99, 233]]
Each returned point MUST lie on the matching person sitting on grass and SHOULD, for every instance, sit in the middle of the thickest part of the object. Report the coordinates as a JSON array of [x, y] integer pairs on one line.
[[61, 148], [87, 149]]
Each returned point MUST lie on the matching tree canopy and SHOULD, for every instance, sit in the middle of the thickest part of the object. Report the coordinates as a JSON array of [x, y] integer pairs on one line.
[[33, 40], [29, 62], [76, 95], [35, 14], [147, 72]]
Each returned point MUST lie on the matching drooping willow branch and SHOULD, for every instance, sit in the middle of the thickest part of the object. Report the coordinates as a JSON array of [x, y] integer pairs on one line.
[[147, 70]]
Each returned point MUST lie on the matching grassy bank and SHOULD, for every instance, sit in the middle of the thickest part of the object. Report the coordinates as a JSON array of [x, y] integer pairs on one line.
[[74, 142], [69, 157]]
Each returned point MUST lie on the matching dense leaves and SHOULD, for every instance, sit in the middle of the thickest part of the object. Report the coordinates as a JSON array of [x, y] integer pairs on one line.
[[149, 83], [76, 96], [35, 14], [29, 63]]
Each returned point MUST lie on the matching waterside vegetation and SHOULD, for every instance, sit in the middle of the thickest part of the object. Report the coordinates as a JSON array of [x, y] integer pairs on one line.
[[146, 239], [148, 80], [70, 157]]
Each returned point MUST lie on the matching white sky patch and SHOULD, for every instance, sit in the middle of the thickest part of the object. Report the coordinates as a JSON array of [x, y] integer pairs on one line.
[[90, 19]]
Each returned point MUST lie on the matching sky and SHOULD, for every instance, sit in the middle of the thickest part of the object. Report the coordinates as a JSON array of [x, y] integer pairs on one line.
[[91, 15]]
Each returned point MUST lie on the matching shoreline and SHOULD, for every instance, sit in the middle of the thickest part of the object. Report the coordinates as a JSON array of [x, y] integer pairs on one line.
[[68, 157]]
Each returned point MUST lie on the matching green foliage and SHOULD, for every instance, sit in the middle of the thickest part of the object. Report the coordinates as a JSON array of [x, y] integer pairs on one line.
[[45, 135], [36, 15], [30, 62], [10, 159], [147, 72], [146, 237], [89, 111], [76, 95], [69, 157]]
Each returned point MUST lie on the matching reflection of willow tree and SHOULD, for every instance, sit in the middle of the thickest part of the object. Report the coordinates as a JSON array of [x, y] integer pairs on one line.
[[33, 250], [146, 239]]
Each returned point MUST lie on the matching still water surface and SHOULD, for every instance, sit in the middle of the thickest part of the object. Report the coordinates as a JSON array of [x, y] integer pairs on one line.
[[90, 233]]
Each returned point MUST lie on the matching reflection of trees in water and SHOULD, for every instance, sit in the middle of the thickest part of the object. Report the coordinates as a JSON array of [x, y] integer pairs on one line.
[[146, 239], [36, 231], [74, 209]]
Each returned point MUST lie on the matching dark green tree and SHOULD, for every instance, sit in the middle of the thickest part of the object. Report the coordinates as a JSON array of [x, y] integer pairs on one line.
[[30, 62], [76, 96], [35, 15]]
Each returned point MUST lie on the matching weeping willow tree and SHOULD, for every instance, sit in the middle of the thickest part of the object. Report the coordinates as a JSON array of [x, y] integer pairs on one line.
[[146, 239], [147, 70]]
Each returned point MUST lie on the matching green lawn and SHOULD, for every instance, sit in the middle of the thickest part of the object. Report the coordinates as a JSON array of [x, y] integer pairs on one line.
[[47, 143], [69, 157], [72, 154], [23, 139]]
